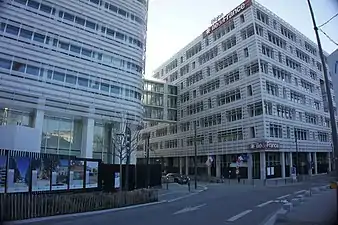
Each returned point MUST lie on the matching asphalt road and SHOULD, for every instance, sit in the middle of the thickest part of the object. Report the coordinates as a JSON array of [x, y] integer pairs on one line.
[[220, 204]]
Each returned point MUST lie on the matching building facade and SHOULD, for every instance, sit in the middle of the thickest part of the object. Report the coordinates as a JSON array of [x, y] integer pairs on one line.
[[252, 86], [159, 101], [70, 71]]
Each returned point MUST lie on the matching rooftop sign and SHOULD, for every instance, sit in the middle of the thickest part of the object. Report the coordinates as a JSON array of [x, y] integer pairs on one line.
[[227, 17]]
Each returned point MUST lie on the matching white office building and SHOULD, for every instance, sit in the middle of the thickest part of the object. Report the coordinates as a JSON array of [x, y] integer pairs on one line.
[[333, 66], [69, 71], [254, 87]]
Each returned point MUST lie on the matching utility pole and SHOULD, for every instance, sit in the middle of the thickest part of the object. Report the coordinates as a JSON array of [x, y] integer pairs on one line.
[[329, 97], [147, 160], [195, 156]]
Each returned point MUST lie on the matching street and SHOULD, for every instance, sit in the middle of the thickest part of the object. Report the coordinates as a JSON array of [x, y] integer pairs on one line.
[[220, 204]]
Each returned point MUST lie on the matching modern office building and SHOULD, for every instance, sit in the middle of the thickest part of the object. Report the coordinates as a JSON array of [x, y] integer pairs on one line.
[[70, 70], [252, 86]]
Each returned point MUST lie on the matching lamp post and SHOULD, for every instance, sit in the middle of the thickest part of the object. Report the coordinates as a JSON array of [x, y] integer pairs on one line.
[[329, 97], [120, 158], [147, 160]]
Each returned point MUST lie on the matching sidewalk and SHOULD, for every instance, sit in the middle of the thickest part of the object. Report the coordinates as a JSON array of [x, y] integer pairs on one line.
[[274, 182], [317, 209]]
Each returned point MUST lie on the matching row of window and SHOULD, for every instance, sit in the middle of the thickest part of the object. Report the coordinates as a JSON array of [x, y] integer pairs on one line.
[[110, 61], [82, 21], [275, 131], [57, 75], [285, 32]]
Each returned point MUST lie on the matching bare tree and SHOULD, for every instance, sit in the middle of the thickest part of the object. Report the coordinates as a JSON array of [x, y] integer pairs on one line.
[[124, 143]]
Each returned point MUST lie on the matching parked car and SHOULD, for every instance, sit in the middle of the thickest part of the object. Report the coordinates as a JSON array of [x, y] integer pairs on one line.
[[177, 178]]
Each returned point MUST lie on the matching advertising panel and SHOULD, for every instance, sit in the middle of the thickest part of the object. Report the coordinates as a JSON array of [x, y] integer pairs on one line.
[[41, 174], [92, 172], [76, 175], [18, 174], [117, 180], [60, 176], [3, 173]]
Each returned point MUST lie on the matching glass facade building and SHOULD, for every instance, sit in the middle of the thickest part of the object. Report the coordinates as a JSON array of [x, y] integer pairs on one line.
[[72, 69]]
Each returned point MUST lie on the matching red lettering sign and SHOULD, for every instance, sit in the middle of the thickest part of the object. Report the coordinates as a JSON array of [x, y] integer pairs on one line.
[[227, 17]]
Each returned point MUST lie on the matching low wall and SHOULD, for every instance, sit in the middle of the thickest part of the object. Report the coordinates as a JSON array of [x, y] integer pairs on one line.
[[20, 206]]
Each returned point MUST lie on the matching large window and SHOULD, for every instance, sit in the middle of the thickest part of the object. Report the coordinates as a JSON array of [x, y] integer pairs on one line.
[[61, 136], [14, 117], [100, 143]]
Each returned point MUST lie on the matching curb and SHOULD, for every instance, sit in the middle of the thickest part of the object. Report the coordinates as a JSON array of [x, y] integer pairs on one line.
[[281, 213], [33, 220]]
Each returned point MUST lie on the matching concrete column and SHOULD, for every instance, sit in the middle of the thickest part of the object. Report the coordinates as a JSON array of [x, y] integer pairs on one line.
[[329, 161], [262, 165], [314, 159], [250, 166], [209, 171], [218, 166], [309, 159], [181, 163], [290, 162], [87, 138], [187, 165], [283, 164], [38, 119]]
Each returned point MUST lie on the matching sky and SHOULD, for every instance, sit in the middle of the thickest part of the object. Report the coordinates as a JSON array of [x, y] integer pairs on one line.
[[172, 24]]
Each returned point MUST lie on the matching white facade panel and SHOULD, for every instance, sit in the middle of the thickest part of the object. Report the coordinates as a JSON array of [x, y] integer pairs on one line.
[[78, 63]]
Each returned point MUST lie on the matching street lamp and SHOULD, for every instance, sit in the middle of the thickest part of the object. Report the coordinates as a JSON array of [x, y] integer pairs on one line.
[[147, 159], [329, 97], [195, 155]]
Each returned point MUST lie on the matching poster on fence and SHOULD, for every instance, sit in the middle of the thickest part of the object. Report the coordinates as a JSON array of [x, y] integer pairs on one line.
[[3, 173], [92, 172], [116, 180], [41, 174], [18, 174], [76, 175], [60, 174]]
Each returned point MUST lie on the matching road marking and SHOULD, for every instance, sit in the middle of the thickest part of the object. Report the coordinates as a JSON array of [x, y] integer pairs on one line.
[[298, 192], [265, 203], [234, 218], [189, 195], [182, 197], [284, 196], [189, 209], [170, 193]]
